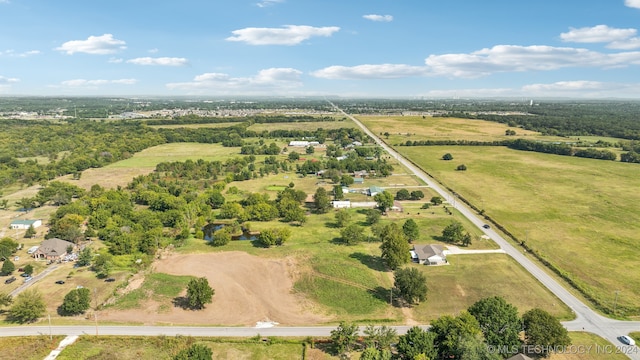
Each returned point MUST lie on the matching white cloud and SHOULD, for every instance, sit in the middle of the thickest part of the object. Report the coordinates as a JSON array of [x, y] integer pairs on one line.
[[266, 81], [97, 45], [287, 35], [598, 33], [12, 53], [381, 18], [368, 71], [153, 51], [161, 61], [116, 60], [632, 3], [96, 83], [511, 58], [5, 81], [265, 3], [624, 39]]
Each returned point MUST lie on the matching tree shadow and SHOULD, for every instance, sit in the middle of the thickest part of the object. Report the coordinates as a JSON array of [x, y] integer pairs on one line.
[[181, 302], [332, 225], [381, 293], [338, 241], [372, 262]]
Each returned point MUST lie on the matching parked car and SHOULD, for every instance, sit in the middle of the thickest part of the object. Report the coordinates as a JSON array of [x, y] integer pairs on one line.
[[109, 279], [627, 340], [60, 282], [10, 280], [27, 279], [486, 226], [24, 275]]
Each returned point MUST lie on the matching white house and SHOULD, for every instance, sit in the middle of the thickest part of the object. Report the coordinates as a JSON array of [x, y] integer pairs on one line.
[[429, 254], [299, 143], [24, 224]]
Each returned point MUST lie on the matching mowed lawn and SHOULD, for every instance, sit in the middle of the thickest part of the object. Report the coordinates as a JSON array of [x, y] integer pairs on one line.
[[303, 125], [581, 214], [469, 278], [150, 157]]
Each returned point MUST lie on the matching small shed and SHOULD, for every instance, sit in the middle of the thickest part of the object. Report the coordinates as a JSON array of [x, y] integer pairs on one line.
[[24, 224], [373, 190], [358, 181], [341, 204]]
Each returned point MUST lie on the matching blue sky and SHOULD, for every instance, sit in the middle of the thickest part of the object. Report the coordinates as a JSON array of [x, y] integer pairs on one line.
[[351, 48]]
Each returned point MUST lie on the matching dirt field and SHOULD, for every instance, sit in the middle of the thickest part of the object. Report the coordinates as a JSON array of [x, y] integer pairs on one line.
[[248, 289]]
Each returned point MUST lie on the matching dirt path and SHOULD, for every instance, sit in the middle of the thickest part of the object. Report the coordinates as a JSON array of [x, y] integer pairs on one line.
[[248, 289]]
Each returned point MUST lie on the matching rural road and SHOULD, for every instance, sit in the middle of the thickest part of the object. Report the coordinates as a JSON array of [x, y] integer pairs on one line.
[[586, 319]]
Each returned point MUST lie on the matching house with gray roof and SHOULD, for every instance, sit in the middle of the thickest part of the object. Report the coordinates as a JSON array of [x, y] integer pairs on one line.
[[53, 249], [429, 254]]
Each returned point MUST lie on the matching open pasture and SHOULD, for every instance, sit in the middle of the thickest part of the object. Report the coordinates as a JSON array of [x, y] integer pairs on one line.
[[403, 128], [303, 125], [580, 214]]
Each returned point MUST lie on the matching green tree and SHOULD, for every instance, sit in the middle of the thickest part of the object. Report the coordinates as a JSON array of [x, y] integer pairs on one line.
[[274, 237], [373, 216], [214, 199], [416, 195], [85, 256], [28, 269], [195, 352], [27, 307], [436, 200], [451, 330], [461, 167], [352, 234], [344, 337], [310, 150], [543, 330], [380, 337], [5, 299], [342, 217], [499, 321], [7, 267], [411, 230], [294, 156], [417, 342], [321, 201], [453, 233], [7, 247], [447, 156], [31, 232], [395, 247], [337, 192], [384, 200], [410, 285], [372, 353], [199, 293], [346, 180], [403, 194], [221, 236], [76, 302], [102, 264]]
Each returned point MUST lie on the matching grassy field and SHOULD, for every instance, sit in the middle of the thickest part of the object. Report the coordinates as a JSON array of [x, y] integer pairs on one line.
[[310, 126], [152, 156], [27, 347], [164, 347], [162, 288], [587, 346], [581, 214], [195, 126], [469, 278], [403, 128]]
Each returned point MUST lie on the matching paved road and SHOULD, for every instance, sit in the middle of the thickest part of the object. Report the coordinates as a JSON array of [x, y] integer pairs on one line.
[[34, 279], [586, 319]]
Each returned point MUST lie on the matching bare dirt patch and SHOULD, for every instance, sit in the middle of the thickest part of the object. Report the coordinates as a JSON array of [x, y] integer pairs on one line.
[[248, 289]]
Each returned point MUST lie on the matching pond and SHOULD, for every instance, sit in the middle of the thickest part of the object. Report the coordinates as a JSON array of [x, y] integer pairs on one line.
[[246, 234]]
